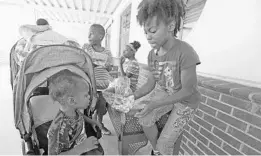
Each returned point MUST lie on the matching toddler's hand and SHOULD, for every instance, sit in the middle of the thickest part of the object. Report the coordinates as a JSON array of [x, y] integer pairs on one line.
[[89, 144]]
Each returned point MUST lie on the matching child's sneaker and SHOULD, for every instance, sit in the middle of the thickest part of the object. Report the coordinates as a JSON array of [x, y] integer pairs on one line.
[[153, 152]]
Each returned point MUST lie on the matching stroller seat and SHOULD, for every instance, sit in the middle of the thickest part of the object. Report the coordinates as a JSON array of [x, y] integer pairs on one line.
[[44, 109]]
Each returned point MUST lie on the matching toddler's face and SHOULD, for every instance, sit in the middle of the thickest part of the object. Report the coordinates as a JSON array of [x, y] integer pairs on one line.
[[82, 96]]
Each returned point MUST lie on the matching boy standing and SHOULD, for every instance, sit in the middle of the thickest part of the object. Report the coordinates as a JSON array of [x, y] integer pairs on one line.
[[102, 60]]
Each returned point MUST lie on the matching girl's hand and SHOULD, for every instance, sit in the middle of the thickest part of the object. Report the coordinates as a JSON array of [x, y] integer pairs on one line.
[[146, 110], [96, 123]]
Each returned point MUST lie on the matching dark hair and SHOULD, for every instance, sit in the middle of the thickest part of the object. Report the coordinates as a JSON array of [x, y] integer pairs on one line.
[[42, 21], [136, 45], [166, 10], [100, 28], [62, 84]]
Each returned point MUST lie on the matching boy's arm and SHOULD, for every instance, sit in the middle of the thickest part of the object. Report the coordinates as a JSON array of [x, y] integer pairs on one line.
[[109, 62], [121, 69]]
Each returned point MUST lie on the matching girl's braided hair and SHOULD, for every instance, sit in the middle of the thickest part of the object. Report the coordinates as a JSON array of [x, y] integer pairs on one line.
[[165, 10], [136, 45]]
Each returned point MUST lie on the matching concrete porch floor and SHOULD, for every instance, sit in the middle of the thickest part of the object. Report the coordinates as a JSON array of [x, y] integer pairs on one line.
[[10, 142]]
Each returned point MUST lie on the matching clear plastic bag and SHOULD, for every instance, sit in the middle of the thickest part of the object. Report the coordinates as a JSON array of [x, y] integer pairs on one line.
[[120, 90]]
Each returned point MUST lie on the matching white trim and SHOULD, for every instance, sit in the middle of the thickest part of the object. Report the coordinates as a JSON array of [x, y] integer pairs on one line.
[[231, 79], [108, 23], [92, 13]]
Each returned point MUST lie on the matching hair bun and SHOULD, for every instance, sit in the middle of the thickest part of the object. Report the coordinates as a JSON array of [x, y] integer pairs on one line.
[[136, 45]]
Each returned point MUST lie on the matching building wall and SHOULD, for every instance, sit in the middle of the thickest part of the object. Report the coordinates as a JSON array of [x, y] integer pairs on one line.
[[228, 121], [76, 31], [227, 38], [115, 28], [136, 32]]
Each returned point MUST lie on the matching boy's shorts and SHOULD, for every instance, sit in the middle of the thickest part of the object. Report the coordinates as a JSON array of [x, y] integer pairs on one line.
[[101, 105]]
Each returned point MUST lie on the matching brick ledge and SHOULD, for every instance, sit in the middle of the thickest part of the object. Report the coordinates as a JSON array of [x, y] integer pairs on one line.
[[237, 90]]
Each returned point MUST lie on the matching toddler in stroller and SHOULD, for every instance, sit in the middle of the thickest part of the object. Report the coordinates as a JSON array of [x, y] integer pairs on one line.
[[66, 135], [40, 113]]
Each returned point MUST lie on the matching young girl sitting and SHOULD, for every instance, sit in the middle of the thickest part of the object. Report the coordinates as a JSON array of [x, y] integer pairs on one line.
[[67, 134], [131, 67]]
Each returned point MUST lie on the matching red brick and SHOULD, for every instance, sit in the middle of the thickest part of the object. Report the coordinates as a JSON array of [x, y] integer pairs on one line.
[[195, 149], [249, 151], [232, 121], [219, 105], [252, 142], [256, 98], [194, 125], [207, 109], [210, 136], [215, 122], [243, 93], [186, 149], [227, 138], [216, 149], [202, 123], [200, 78], [210, 93], [184, 139], [186, 127], [250, 118], [212, 84], [199, 113], [227, 87], [231, 150], [236, 102], [258, 111], [205, 149], [203, 99], [199, 136], [255, 132], [205, 79], [181, 151], [190, 137]]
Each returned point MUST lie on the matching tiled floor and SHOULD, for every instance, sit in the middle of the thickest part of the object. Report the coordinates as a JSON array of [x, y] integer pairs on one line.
[[10, 142]]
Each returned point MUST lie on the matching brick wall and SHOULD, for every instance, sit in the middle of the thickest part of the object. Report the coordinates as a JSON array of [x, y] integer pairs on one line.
[[228, 121]]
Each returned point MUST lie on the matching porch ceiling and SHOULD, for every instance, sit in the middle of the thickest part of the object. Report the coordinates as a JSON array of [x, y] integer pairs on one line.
[[91, 11], [71, 11]]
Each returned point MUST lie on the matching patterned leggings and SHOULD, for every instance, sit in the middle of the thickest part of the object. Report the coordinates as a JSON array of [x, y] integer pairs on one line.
[[179, 117]]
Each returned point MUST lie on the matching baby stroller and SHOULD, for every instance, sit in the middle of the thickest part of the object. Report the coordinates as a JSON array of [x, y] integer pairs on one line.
[[34, 110]]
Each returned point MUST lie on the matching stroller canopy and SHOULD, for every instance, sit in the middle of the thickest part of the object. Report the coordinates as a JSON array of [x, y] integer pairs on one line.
[[38, 67]]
